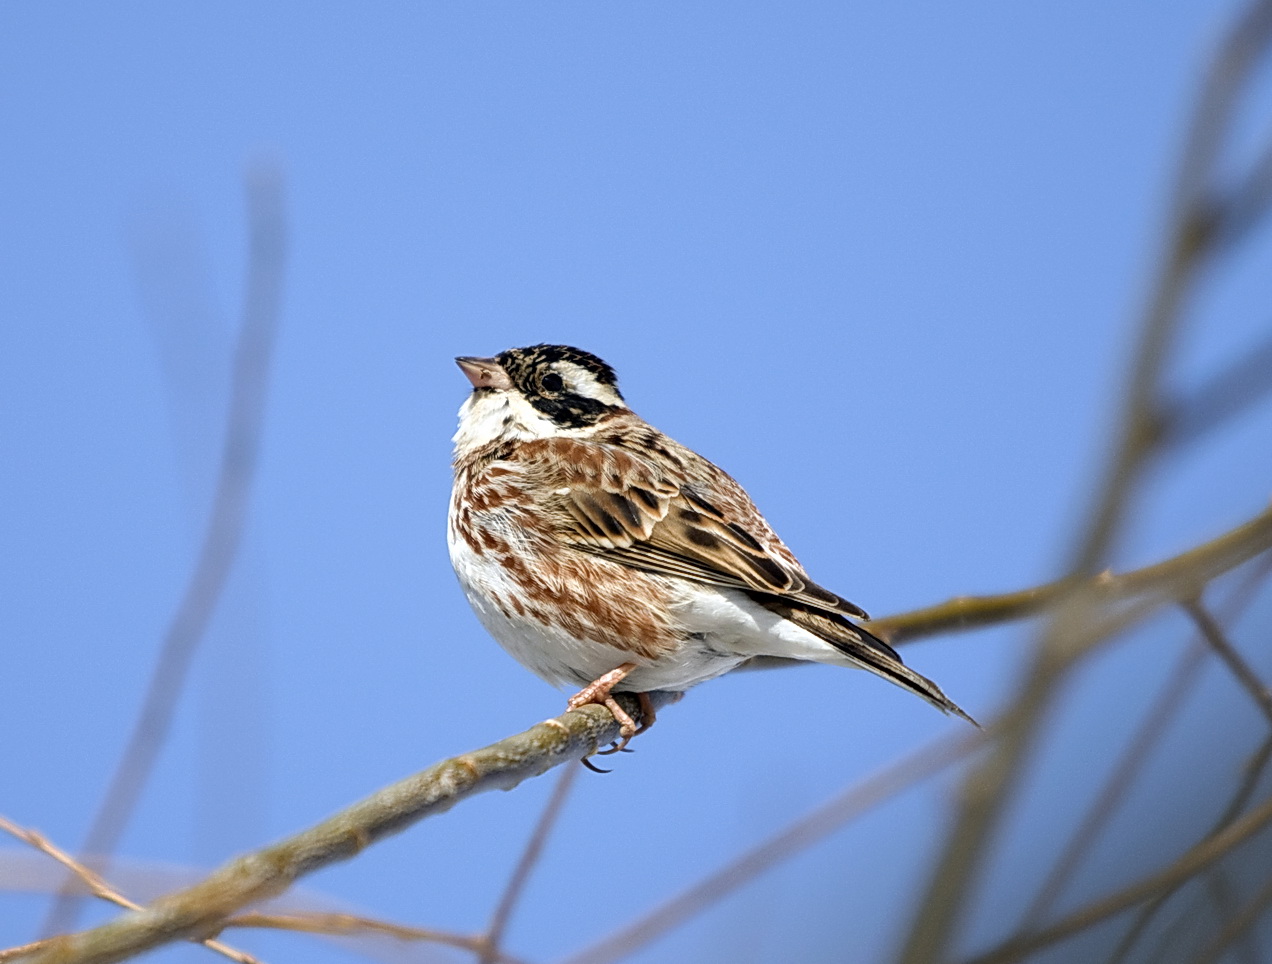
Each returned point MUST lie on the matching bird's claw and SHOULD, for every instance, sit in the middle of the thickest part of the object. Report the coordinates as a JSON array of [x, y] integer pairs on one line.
[[599, 691]]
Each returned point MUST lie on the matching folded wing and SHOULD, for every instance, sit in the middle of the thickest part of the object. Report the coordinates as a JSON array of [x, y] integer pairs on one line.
[[607, 500]]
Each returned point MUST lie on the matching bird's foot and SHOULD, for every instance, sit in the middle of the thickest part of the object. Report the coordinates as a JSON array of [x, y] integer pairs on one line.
[[600, 691]]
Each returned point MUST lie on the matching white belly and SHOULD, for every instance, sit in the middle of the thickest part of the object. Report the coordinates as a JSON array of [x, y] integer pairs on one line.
[[721, 628]]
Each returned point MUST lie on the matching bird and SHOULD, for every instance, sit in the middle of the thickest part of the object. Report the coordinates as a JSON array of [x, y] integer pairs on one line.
[[601, 553]]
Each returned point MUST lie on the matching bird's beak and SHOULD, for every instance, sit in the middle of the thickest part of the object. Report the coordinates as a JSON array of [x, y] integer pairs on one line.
[[484, 372]]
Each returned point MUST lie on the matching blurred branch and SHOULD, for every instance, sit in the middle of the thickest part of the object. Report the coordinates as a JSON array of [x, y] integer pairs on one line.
[[221, 541], [1179, 576], [1238, 925], [1185, 868], [1241, 385], [353, 925], [798, 836], [1212, 632], [1146, 738], [202, 910], [1244, 206], [1193, 237], [1223, 895], [1119, 783], [96, 886], [521, 874], [1254, 771]]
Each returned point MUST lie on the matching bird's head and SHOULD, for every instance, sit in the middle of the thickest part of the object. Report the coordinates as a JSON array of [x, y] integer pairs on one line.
[[537, 392]]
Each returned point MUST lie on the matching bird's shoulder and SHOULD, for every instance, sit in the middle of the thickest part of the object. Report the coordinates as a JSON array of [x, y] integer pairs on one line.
[[639, 498], [627, 460]]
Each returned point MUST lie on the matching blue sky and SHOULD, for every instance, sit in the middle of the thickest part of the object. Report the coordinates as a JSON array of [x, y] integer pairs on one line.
[[880, 261]]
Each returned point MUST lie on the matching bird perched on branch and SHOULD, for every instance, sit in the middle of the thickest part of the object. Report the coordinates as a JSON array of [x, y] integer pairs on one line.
[[603, 554]]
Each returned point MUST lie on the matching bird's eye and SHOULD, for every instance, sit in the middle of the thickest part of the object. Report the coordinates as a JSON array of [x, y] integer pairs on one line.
[[552, 382]]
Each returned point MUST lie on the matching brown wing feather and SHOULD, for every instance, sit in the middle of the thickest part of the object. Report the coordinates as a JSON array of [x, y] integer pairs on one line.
[[866, 650], [608, 500]]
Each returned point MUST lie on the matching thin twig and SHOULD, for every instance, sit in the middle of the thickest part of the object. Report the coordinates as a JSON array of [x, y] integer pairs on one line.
[[1237, 926], [1254, 773], [989, 788], [1224, 895], [221, 541], [98, 887], [1120, 781], [269, 872], [1227, 394], [13, 953], [1180, 575], [1136, 754], [204, 907], [803, 833], [1227, 653], [521, 873], [1183, 869], [333, 924]]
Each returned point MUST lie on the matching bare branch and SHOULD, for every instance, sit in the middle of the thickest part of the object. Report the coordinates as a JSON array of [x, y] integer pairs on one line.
[[1179, 576], [221, 541], [1119, 783], [1238, 924], [808, 830], [97, 886], [1190, 240], [202, 910], [1236, 388], [1195, 860], [530, 857], [1153, 727], [1254, 771], [353, 925], [299, 911], [1213, 634]]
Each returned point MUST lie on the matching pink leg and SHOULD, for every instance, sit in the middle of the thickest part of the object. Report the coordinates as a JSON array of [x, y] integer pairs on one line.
[[599, 690]]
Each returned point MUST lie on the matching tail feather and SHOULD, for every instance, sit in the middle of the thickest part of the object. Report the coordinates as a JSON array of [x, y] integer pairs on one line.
[[863, 649]]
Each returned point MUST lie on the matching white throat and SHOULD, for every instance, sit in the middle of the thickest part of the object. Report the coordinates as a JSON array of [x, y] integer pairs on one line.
[[499, 416]]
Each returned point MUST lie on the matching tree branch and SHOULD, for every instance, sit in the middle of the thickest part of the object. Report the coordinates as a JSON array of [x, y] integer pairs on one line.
[[1177, 577], [201, 911], [98, 887], [1213, 633], [493, 938], [1192, 239], [1185, 868], [797, 836], [221, 540], [336, 924]]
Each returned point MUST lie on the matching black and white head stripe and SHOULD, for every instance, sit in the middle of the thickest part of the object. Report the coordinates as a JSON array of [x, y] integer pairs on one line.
[[524, 364], [570, 386]]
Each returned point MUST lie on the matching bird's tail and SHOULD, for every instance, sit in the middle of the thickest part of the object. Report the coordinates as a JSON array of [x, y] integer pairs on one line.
[[863, 649]]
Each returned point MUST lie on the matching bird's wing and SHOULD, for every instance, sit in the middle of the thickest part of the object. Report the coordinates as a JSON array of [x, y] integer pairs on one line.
[[692, 521], [863, 649]]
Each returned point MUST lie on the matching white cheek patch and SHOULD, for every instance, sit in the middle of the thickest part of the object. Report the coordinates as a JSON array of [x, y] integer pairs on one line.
[[528, 421], [489, 416], [582, 382]]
